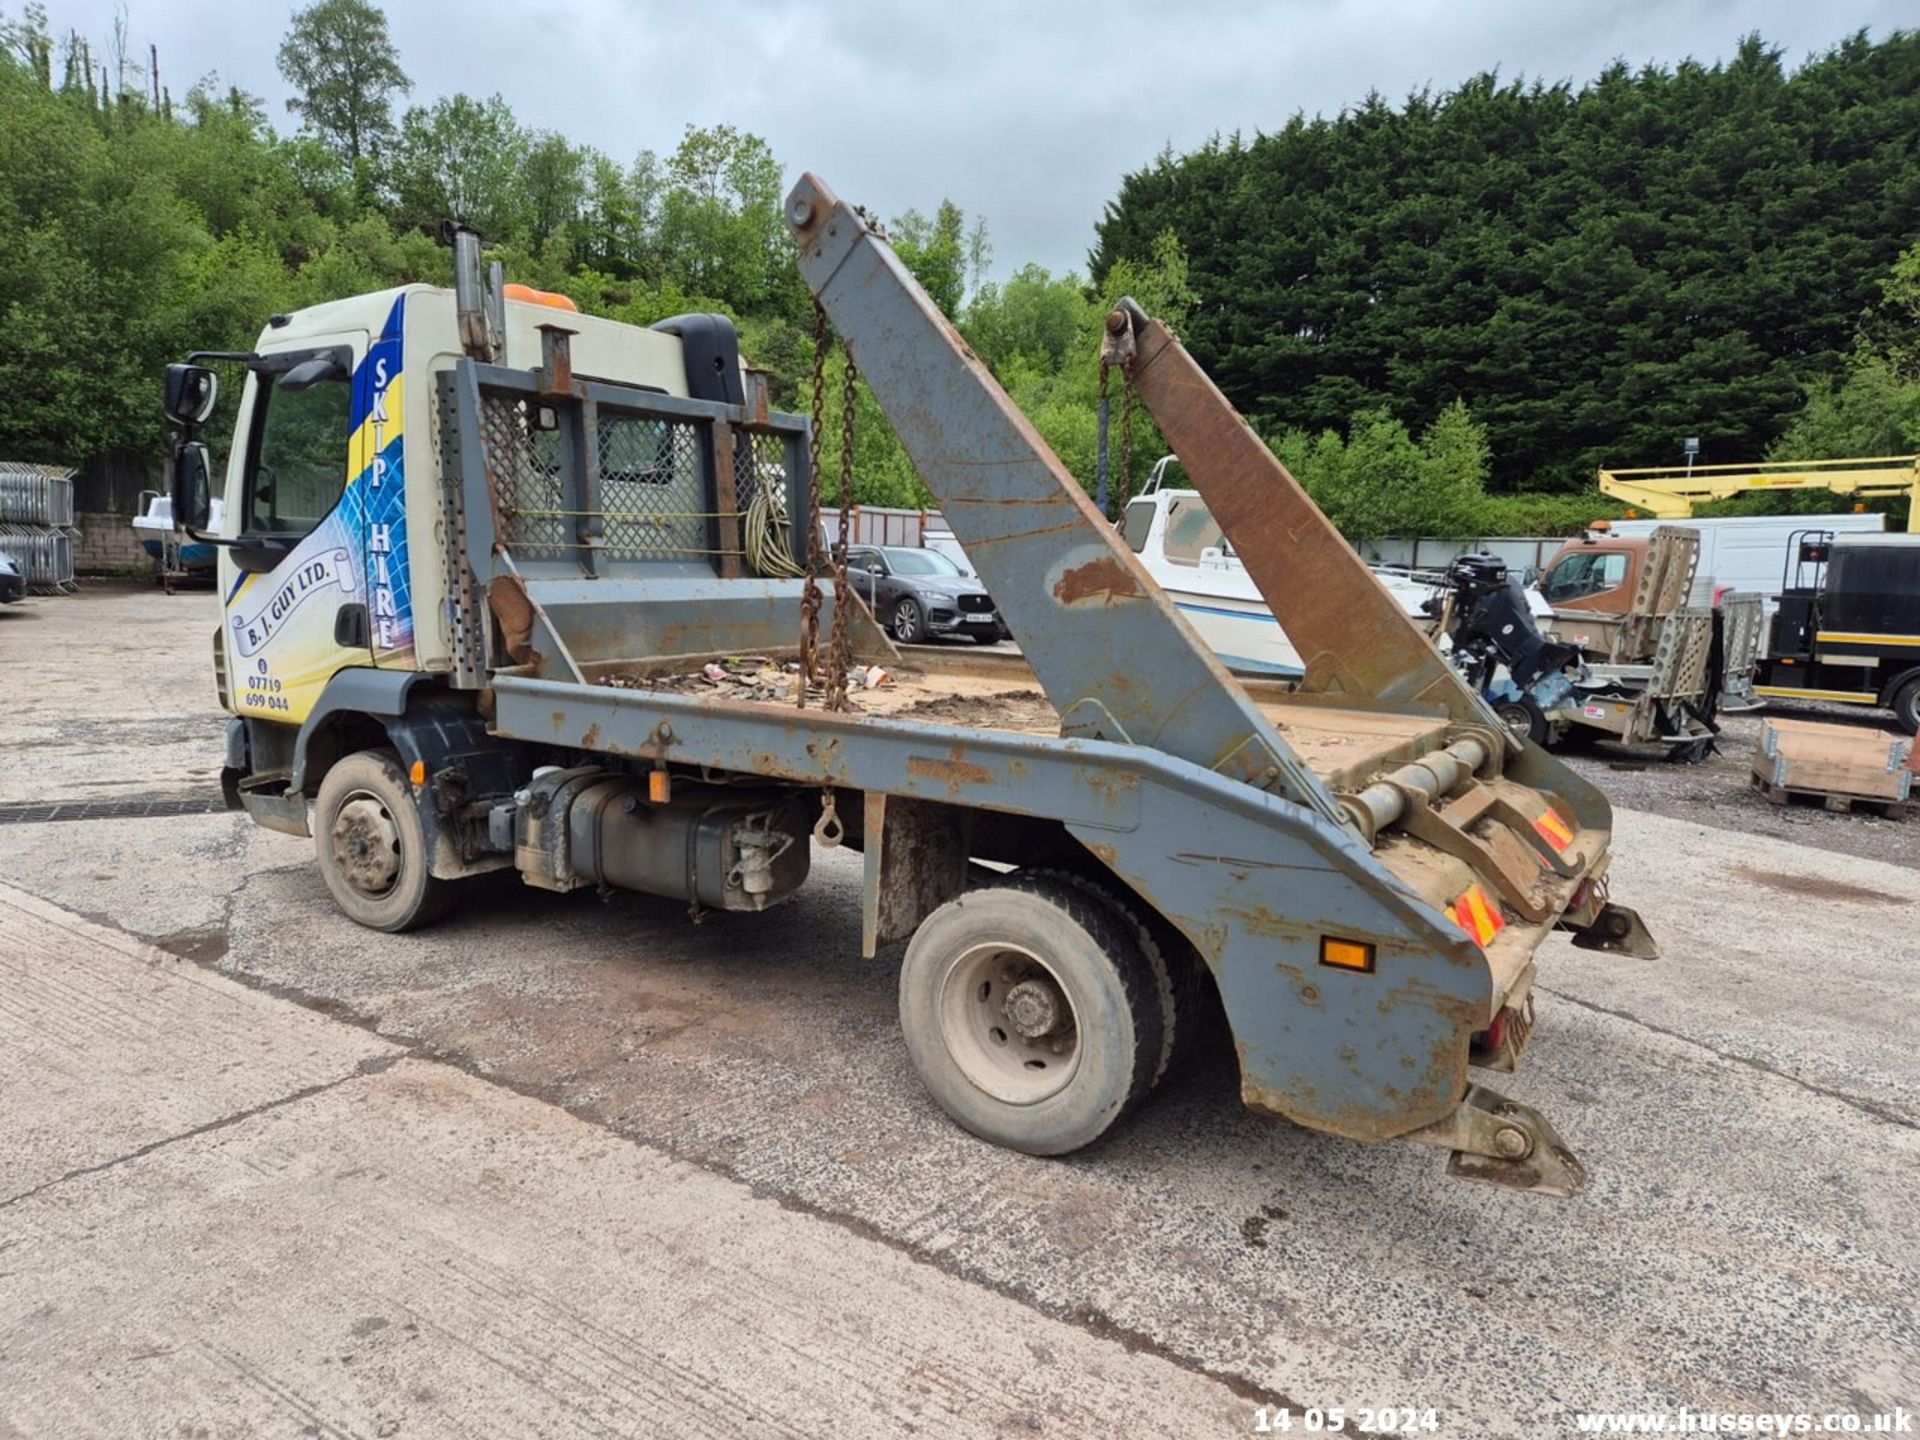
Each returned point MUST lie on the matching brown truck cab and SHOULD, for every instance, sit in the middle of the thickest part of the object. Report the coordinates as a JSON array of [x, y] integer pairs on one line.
[[1609, 593], [1623, 602]]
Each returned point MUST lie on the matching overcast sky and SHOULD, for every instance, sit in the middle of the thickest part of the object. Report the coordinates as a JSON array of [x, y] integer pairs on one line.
[[1028, 114]]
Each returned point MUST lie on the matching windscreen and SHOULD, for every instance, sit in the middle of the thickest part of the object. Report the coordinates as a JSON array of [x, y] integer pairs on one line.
[[920, 562]]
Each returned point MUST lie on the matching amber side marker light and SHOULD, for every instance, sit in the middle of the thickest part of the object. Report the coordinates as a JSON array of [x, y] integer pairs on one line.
[[418, 773], [1346, 954]]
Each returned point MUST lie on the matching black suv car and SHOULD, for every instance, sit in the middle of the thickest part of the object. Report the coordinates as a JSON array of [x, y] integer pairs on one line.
[[918, 593]]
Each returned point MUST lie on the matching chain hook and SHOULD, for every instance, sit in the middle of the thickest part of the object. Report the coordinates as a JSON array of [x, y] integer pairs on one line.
[[828, 832]]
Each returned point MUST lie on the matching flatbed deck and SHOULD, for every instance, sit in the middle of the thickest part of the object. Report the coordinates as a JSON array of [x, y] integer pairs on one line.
[[1345, 747]]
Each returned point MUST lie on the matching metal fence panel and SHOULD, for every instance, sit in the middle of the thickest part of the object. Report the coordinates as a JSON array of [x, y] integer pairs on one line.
[[35, 494], [44, 555]]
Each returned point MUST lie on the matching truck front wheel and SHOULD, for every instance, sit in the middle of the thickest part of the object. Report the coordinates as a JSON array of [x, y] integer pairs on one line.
[[372, 846], [1031, 1014]]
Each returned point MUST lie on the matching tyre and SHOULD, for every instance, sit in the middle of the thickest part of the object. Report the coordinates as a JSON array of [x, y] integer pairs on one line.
[[1906, 706], [1031, 1014], [372, 846], [1523, 720], [1189, 1003], [909, 625]]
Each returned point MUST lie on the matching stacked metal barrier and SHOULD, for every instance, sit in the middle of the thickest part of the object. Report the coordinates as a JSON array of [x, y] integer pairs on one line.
[[36, 524]]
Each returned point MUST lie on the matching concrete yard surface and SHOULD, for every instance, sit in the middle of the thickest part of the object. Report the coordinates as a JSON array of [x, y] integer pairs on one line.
[[353, 1240], [559, 1166]]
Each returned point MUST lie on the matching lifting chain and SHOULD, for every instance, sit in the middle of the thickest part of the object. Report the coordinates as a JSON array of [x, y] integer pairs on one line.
[[840, 639], [840, 647], [1117, 495], [810, 592], [1100, 466]]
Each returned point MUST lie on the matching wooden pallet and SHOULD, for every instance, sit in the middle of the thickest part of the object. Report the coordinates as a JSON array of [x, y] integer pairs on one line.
[[1837, 801]]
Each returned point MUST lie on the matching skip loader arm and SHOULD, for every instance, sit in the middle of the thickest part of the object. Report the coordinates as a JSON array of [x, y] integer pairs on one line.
[[1352, 637]]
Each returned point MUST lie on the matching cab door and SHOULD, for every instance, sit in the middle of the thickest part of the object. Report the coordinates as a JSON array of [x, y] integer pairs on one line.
[[294, 583]]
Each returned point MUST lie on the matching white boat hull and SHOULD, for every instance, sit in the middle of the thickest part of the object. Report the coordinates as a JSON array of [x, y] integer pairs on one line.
[[1208, 584], [1245, 636]]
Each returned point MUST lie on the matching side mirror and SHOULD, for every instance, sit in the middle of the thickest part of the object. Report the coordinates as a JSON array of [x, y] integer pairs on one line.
[[191, 391], [192, 484]]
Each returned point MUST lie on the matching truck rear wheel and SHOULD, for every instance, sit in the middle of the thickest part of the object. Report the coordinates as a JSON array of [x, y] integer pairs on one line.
[[372, 846], [1906, 706], [1180, 977], [1031, 1014]]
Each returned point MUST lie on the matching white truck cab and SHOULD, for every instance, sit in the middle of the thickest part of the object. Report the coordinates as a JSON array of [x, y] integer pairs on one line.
[[355, 379]]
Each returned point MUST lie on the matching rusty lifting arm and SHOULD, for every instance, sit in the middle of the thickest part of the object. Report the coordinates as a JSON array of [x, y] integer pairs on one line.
[[1354, 640]]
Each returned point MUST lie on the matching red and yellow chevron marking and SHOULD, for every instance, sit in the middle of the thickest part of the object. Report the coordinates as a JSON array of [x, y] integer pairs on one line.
[[1554, 830], [1474, 913]]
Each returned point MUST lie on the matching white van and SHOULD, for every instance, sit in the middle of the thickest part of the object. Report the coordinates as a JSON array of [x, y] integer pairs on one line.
[[1748, 553]]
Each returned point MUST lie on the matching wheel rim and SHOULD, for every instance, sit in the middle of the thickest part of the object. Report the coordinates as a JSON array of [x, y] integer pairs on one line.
[[904, 619], [1518, 722], [366, 845], [1009, 1024]]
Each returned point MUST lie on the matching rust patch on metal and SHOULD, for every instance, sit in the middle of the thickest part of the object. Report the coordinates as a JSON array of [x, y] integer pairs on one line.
[[1258, 920], [955, 771], [556, 357], [1098, 582], [1112, 786], [507, 598], [591, 740]]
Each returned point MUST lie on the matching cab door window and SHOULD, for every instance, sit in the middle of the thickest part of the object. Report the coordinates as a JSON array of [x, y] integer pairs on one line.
[[297, 463], [1584, 573]]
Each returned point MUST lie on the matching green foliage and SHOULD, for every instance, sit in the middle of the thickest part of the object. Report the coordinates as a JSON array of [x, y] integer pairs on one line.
[[1873, 406], [936, 252], [1379, 481], [345, 72], [1597, 272], [462, 158], [1033, 320], [719, 230], [1872, 409], [1040, 335]]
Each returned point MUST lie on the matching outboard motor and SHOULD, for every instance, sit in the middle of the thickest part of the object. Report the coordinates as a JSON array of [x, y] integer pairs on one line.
[[1491, 628]]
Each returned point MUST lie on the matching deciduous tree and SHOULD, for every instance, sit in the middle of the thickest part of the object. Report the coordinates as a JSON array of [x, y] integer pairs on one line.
[[345, 72]]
